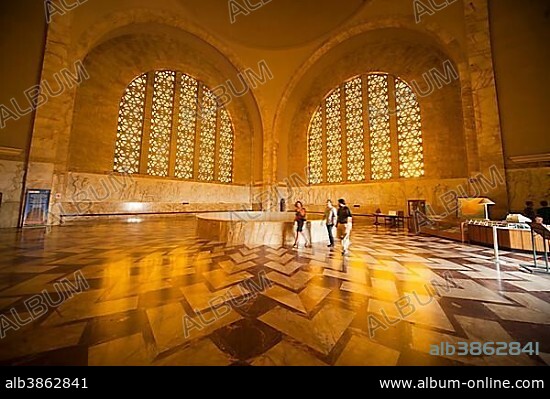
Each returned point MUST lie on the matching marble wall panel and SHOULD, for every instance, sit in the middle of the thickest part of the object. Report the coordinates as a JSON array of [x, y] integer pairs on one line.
[[531, 184], [11, 178], [387, 196], [88, 193]]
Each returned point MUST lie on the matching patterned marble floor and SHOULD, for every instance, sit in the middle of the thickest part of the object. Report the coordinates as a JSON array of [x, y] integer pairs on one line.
[[155, 294]]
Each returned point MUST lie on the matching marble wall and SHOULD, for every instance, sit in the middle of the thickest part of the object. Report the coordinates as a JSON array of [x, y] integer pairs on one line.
[[490, 150], [113, 65], [460, 121], [528, 184], [74, 132], [11, 180], [388, 196], [406, 56], [89, 193]]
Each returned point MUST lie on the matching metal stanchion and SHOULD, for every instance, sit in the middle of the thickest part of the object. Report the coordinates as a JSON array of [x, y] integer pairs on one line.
[[545, 234], [495, 243]]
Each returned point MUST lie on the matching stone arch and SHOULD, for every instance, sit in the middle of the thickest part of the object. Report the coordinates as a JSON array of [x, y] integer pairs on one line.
[[133, 50], [430, 37]]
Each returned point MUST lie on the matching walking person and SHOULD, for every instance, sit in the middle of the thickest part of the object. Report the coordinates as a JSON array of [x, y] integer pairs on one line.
[[330, 219], [344, 225], [300, 220]]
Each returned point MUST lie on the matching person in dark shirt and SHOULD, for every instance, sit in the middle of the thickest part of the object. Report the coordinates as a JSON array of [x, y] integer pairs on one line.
[[300, 220], [529, 210], [544, 212], [344, 225]]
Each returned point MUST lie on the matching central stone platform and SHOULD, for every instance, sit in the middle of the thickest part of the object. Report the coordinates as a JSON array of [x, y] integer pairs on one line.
[[257, 228]]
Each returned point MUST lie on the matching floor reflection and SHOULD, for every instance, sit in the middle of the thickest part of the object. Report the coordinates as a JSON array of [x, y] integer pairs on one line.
[[158, 295]]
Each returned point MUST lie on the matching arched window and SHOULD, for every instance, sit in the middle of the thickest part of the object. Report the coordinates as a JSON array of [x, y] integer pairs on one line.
[[171, 125], [369, 128]]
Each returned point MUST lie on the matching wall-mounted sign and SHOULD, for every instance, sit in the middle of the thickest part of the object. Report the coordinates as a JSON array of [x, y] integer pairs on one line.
[[37, 203]]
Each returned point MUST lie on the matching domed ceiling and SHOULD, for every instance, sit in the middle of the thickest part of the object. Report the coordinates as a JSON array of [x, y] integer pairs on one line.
[[272, 23]]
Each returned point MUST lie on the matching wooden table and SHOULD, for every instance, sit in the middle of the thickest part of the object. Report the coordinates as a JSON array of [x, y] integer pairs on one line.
[[392, 217]]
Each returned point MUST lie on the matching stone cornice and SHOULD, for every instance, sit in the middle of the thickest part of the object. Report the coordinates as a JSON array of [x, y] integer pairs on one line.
[[535, 158], [11, 152]]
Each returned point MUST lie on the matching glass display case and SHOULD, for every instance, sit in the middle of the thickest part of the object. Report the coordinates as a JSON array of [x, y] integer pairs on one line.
[[510, 235]]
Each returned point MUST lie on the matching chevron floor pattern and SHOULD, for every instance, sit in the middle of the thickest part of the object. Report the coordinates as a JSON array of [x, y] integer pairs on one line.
[[152, 293]]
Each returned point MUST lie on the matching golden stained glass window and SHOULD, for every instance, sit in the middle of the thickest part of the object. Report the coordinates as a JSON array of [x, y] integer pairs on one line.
[[379, 121], [362, 150], [207, 147], [161, 123], [187, 126], [409, 130], [130, 127], [355, 130], [225, 156], [333, 112], [315, 146]]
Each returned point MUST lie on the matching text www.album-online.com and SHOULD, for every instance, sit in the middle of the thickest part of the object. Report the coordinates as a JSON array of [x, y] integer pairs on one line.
[[485, 383]]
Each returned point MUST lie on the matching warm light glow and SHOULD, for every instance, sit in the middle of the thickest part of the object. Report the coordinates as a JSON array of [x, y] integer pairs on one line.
[[134, 206], [334, 136], [409, 128], [225, 156], [207, 146], [355, 130], [355, 121], [380, 133], [316, 148], [185, 158], [130, 127], [183, 110], [161, 123]]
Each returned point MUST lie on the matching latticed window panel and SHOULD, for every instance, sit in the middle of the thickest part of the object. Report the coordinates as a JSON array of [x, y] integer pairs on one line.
[[225, 156], [192, 131], [333, 112], [187, 125], [161, 123], [315, 148], [355, 130], [409, 131], [379, 121], [207, 147], [328, 144], [130, 127]]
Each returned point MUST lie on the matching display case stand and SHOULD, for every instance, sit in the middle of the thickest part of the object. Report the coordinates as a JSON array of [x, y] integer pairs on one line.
[[545, 234]]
